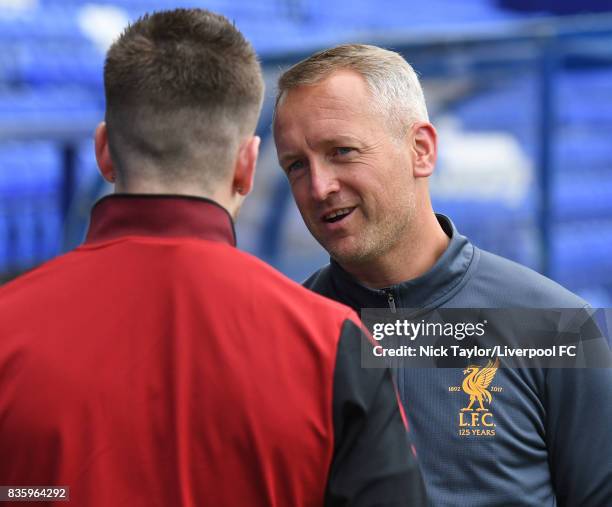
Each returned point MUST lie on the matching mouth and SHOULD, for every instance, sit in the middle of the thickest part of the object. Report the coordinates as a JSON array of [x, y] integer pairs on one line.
[[337, 215]]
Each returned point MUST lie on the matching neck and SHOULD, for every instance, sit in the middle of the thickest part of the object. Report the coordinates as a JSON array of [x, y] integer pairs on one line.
[[220, 195], [152, 186], [411, 257]]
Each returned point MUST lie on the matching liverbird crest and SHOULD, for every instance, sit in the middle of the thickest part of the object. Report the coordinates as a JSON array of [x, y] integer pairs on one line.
[[476, 382]]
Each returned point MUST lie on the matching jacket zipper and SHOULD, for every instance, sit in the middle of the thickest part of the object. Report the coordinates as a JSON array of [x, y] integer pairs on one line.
[[390, 300]]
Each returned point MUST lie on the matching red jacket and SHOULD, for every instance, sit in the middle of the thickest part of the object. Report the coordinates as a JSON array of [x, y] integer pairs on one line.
[[157, 365]]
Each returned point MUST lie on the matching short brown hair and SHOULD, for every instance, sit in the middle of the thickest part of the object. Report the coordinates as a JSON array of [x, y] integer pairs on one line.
[[181, 87], [393, 83]]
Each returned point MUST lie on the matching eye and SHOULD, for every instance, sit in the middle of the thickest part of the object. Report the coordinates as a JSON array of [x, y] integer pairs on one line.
[[343, 150], [294, 166]]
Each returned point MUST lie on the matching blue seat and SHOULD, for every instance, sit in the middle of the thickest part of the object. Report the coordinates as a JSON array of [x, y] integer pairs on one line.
[[580, 254], [51, 23], [510, 232], [29, 179], [583, 195], [43, 64]]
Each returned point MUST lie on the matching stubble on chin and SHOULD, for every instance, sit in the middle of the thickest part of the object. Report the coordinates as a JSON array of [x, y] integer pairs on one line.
[[373, 244]]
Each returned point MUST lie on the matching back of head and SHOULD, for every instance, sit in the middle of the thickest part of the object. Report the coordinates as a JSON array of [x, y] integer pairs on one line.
[[183, 87], [394, 85]]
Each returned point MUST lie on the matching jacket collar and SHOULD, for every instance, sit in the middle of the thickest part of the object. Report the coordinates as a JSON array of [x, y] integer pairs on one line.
[[164, 216], [428, 290]]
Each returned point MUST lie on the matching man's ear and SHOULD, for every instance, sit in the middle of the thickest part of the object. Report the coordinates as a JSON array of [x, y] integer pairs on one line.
[[103, 158], [424, 140], [244, 170]]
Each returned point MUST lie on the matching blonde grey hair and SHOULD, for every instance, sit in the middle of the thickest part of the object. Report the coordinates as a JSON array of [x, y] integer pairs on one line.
[[393, 83]]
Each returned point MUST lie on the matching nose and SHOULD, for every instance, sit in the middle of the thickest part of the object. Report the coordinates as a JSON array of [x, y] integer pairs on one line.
[[323, 181]]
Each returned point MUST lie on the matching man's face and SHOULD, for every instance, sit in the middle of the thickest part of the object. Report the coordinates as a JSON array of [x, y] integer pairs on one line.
[[350, 175]]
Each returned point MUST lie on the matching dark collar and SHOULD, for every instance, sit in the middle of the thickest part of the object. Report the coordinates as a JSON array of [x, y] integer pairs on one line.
[[428, 290], [165, 216]]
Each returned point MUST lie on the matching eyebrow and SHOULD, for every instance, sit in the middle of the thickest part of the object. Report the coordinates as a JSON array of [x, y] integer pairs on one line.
[[341, 140]]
